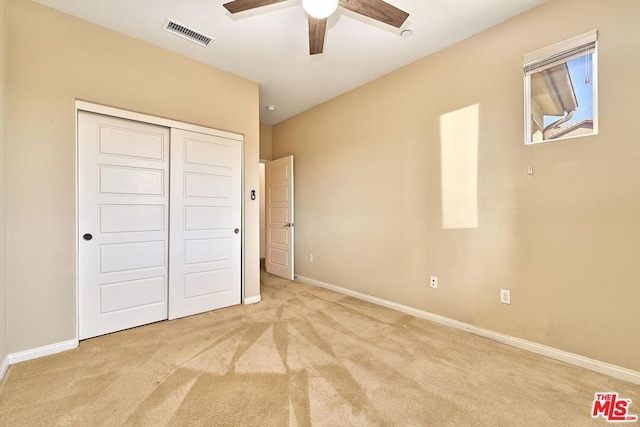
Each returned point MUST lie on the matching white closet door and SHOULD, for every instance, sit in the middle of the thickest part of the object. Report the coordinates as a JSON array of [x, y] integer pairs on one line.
[[123, 186], [205, 236]]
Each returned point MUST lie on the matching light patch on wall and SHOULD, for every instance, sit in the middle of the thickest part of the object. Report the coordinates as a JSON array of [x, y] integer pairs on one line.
[[459, 167]]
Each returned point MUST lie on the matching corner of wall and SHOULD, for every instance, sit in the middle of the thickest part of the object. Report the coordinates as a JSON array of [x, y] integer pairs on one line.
[[4, 364], [266, 142]]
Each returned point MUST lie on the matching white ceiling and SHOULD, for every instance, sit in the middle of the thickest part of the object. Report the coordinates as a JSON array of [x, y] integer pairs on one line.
[[270, 45]]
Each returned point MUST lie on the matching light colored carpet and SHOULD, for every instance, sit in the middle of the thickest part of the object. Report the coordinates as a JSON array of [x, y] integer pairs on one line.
[[303, 356]]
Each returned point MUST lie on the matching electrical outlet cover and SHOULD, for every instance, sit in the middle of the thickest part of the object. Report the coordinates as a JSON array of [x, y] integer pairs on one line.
[[505, 296]]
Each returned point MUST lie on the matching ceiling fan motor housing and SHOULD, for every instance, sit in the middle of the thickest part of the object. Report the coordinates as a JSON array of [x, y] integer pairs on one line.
[[320, 9]]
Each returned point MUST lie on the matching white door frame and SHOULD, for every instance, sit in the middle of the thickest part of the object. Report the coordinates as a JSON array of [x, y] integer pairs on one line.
[[145, 118]]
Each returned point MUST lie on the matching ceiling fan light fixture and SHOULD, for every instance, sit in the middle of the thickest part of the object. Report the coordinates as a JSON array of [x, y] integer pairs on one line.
[[320, 9]]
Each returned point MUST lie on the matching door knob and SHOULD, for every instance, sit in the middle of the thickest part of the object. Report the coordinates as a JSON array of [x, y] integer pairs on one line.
[[287, 225], [87, 237], [237, 230]]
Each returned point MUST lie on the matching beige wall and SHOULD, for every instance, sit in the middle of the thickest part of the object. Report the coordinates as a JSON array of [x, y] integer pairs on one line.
[[3, 180], [265, 142], [371, 176], [54, 59]]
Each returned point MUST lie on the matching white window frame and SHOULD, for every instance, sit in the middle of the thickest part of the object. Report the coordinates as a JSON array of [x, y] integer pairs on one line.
[[544, 58]]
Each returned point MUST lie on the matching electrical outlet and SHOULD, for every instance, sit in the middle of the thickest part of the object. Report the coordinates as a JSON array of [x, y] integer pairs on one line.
[[434, 282], [310, 257], [505, 296]]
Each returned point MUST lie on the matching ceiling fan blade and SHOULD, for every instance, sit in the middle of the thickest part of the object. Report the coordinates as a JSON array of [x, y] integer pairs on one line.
[[317, 30], [378, 10], [242, 5]]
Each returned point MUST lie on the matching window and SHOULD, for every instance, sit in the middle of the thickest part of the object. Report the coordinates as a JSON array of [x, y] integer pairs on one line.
[[561, 90]]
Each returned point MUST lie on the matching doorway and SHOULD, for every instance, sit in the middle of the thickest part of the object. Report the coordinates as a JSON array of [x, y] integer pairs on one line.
[[262, 193], [279, 231]]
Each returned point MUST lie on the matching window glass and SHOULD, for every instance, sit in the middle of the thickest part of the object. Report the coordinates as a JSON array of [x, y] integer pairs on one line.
[[561, 93]]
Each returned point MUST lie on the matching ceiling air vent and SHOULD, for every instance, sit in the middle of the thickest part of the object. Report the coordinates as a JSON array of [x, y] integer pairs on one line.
[[187, 33]]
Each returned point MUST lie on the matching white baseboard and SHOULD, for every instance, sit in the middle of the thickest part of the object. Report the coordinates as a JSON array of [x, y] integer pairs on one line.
[[46, 350], [4, 367], [253, 300], [564, 356]]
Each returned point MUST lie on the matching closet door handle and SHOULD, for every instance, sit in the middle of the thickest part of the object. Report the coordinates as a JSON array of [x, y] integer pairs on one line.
[[87, 237]]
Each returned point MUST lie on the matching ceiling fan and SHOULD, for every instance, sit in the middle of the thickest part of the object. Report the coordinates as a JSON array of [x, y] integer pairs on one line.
[[320, 10]]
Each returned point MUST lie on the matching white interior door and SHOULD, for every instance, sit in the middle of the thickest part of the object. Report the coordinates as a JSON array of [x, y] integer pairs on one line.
[[205, 263], [123, 188], [279, 217]]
